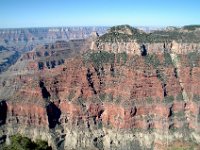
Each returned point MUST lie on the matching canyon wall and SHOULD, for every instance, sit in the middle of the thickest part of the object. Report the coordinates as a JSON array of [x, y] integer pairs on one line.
[[113, 106], [34, 36], [124, 38], [134, 47], [117, 95]]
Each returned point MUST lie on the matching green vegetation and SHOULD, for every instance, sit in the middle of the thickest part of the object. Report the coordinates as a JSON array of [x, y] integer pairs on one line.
[[179, 97], [109, 97], [169, 99], [124, 57], [198, 118], [102, 57], [173, 129], [100, 124], [99, 58], [115, 36], [19, 142], [179, 114], [71, 95], [121, 57], [118, 99], [196, 98], [188, 146], [127, 33], [81, 101], [168, 60], [152, 59], [191, 27], [161, 76], [102, 96], [123, 28], [183, 144], [98, 143], [149, 100], [163, 36], [193, 59]]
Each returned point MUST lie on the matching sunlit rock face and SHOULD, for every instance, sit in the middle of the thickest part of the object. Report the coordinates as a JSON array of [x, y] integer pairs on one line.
[[102, 98]]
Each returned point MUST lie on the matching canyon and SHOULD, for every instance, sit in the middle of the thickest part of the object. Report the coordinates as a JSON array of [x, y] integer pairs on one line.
[[116, 89], [15, 42]]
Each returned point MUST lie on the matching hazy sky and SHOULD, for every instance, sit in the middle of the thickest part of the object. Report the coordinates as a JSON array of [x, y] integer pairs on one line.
[[44, 13]]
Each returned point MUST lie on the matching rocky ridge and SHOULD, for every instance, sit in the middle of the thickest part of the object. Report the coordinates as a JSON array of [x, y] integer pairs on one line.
[[130, 40]]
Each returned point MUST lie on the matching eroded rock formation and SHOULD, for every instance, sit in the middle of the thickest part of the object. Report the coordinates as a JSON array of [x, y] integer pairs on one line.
[[103, 100]]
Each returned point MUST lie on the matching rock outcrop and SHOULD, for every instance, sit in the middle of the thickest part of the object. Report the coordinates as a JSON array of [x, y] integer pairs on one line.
[[103, 100], [131, 40]]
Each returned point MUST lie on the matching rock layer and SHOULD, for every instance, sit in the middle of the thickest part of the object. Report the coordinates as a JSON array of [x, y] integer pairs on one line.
[[101, 100], [131, 100]]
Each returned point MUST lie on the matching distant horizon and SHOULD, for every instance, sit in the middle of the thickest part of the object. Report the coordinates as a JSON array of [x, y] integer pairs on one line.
[[62, 13], [151, 26], [76, 26]]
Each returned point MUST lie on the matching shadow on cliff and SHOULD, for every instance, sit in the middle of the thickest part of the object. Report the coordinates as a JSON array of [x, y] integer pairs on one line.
[[90, 82], [143, 50], [3, 112], [53, 113], [45, 93]]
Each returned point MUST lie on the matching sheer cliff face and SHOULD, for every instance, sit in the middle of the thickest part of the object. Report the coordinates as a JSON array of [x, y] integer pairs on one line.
[[103, 100], [130, 40], [133, 47], [105, 106]]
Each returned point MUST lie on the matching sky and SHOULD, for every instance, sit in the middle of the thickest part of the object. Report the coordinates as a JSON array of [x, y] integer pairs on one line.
[[52, 13]]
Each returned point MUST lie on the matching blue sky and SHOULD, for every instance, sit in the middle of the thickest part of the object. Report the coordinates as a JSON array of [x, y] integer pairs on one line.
[[45, 13]]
